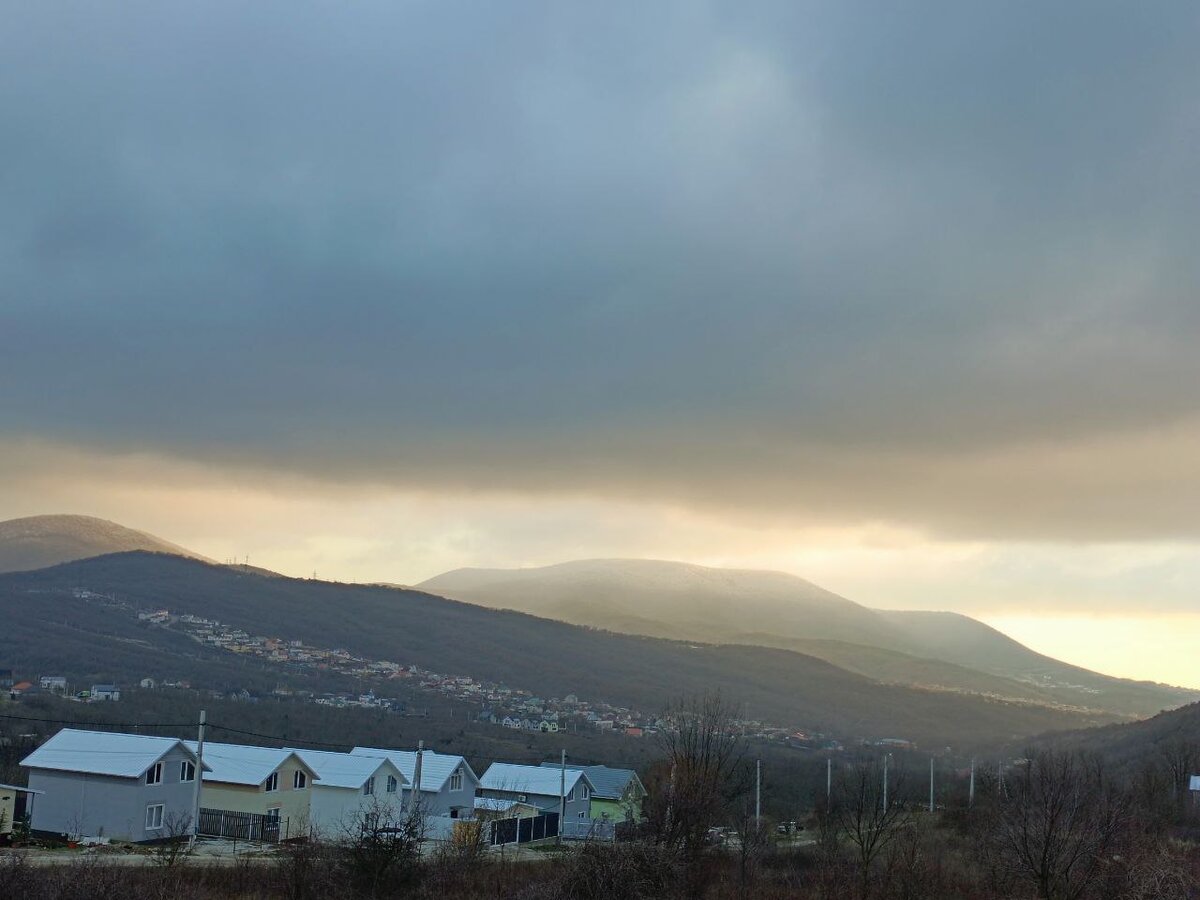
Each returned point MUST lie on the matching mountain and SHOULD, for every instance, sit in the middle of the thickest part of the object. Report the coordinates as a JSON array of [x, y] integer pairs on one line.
[[50, 618], [39, 541], [774, 609]]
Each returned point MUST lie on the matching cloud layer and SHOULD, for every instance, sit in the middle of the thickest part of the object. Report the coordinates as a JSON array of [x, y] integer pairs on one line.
[[821, 264]]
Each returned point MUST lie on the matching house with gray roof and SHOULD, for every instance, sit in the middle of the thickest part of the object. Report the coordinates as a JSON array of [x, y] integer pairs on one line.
[[349, 788], [132, 787], [617, 794], [540, 787], [448, 782]]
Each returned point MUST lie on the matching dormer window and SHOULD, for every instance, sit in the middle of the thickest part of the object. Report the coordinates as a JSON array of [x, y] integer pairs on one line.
[[273, 782]]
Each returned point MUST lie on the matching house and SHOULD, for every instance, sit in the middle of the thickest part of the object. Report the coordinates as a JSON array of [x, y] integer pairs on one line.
[[503, 808], [266, 781], [54, 683], [133, 787], [541, 787], [10, 807], [448, 783], [148, 684], [104, 692], [1194, 787], [617, 794], [349, 787]]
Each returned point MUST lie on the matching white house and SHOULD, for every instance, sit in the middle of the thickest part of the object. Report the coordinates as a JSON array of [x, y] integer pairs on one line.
[[1194, 786], [350, 787], [134, 787], [105, 692], [447, 781]]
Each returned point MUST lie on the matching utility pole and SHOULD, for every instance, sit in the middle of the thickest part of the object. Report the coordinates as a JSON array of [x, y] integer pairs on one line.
[[416, 789], [758, 793], [199, 778], [931, 784], [562, 794], [828, 781], [971, 789], [886, 757]]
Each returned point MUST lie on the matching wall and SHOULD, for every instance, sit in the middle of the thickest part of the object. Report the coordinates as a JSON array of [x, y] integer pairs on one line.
[[335, 812]]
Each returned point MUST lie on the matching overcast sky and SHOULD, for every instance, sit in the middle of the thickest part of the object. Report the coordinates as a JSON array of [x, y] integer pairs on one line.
[[899, 297]]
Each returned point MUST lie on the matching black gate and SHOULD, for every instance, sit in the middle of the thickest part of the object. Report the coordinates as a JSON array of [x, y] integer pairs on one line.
[[238, 826], [523, 831]]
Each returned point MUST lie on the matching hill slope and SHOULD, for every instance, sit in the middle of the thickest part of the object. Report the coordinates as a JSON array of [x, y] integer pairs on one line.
[[548, 657], [39, 541], [678, 600]]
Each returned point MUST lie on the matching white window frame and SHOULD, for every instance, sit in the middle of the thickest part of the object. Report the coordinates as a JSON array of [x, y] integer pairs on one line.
[[585, 794], [187, 771], [392, 784], [273, 812], [369, 787], [155, 813], [154, 774], [299, 780], [272, 782], [456, 780]]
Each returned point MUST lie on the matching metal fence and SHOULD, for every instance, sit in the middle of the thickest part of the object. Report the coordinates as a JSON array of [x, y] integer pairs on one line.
[[238, 826], [523, 831], [588, 830]]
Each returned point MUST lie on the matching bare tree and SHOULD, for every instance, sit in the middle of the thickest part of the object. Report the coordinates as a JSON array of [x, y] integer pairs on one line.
[[1057, 823], [172, 848], [864, 820], [704, 751]]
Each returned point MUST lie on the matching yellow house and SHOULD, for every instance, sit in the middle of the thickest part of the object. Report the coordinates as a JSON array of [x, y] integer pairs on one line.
[[8, 806], [262, 781]]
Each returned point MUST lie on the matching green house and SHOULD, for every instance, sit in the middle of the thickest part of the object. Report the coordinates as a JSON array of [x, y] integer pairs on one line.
[[617, 794]]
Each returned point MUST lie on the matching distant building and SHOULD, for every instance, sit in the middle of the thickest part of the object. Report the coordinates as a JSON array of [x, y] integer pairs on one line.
[[6, 678], [105, 692], [55, 683], [1194, 786], [148, 683]]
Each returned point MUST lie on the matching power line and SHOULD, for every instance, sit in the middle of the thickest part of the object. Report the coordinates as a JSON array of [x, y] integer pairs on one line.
[[99, 724]]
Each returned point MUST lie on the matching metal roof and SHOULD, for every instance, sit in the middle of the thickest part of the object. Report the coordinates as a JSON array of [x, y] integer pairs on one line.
[[17, 787], [345, 770], [102, 753], [530, 779], [436, 768], [243, 764], [498, 804], [608, 783]]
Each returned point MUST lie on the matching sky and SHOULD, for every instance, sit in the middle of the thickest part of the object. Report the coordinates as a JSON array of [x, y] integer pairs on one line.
[[899, 298]]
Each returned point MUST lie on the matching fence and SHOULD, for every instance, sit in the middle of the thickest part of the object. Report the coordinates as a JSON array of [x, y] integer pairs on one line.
[[238, 826], [523, 831], [588, 830]]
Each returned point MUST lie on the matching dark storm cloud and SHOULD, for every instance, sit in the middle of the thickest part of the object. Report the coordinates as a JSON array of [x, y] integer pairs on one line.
[[864, 261]]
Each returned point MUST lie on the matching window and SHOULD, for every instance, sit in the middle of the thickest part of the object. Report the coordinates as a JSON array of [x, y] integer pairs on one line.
[[456, 780], [299, 780], [392, 784], [154, 774], [154, 817], [581, 815], [187, 771], [369, 786], [522, 797], [584, 792], [273, 781], [273, 813]]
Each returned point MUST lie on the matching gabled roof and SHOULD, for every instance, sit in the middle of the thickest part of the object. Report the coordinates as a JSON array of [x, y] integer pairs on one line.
[[243, 764], [530, 779], [345, 770], [102, 753], [436, 768], [608, 783]]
